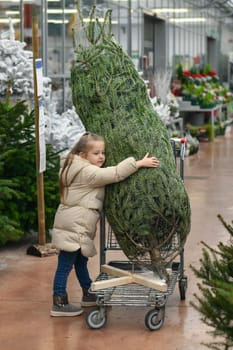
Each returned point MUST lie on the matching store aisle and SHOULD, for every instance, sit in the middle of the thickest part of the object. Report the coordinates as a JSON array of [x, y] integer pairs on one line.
[[25, 281]]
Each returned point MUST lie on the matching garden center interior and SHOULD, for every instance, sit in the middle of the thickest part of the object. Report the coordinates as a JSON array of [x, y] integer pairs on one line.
[[183, 52], [182, 49], [157, 34], [166, 40]]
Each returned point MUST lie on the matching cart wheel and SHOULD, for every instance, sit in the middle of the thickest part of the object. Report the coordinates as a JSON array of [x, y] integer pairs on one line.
[[154, 318], [96, 319], [183, 283]]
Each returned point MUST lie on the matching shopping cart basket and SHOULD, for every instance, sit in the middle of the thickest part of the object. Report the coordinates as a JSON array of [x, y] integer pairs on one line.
[[128, 283]]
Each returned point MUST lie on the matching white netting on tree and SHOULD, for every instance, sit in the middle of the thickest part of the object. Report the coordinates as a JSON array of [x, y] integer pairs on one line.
[[88, 31]]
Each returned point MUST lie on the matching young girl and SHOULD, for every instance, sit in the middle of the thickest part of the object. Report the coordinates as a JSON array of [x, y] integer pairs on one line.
[[82, 182]]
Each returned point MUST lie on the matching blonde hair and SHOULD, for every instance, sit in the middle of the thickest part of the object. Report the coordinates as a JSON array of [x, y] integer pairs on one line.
[[82, 146]]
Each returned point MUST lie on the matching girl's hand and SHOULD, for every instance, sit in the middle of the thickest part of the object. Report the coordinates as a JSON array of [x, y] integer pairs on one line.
[[147, 162]]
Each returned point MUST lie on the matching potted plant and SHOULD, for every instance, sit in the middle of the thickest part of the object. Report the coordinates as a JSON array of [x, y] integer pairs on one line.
[[196, 94], [208, 99]]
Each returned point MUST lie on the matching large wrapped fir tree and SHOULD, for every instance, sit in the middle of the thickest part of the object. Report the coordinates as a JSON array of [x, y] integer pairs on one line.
[[150, 210]]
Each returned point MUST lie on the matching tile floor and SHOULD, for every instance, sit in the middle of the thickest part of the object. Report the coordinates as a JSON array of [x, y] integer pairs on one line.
[[26, 281]]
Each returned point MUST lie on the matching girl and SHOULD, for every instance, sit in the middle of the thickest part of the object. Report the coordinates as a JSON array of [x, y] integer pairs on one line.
[[82, 182]]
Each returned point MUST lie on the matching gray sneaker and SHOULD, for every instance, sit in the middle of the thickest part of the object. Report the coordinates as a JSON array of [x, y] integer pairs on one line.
[[61, 307]]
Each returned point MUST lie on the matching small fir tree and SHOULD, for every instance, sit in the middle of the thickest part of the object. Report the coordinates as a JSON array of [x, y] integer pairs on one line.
[[18, 200], [216, 300], [9, 228]]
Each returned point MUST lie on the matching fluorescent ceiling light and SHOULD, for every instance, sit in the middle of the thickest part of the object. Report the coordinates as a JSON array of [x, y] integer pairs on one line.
[[6, 20], [148, 12], [187, 20], [57, 21], [8, 13], [18, 1], [60, 11], [70, 11], [101, 20], [60, 21], [170, 10]]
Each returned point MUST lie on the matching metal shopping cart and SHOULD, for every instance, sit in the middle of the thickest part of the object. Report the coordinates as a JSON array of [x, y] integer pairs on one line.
[[128, 283]]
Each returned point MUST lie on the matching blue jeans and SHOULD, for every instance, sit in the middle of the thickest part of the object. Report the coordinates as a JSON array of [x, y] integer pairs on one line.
[[66, 261]]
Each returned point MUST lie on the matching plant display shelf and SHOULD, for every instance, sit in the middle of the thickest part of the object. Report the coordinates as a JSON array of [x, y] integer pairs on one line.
[[211, 111]]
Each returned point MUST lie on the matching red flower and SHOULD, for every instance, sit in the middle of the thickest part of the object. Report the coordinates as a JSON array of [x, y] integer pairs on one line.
[[212, 73], [196, 75]]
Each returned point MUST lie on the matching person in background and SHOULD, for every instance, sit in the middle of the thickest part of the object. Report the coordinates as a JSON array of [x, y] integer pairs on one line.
[[82, 182]]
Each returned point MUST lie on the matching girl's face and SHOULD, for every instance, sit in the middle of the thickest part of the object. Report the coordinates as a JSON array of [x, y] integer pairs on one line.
[[96, 153]]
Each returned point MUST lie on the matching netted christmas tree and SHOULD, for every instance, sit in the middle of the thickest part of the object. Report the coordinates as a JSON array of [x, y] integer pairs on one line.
[[215, 303], [150, 210]]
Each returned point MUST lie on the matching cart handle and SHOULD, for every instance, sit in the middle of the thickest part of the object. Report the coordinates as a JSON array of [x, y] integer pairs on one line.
[[180, 139]]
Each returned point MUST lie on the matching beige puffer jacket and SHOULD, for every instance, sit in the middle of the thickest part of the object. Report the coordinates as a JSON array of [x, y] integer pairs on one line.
[[76, 219]]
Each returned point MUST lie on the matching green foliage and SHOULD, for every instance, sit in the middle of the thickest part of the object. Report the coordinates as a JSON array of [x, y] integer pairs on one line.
[[18, 201], [179, 71], [197, 131], [216, 300], [194, 70], [149, 208], [207, 69], [9, 229], [180, 74]]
